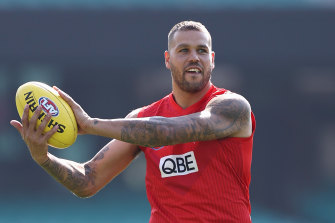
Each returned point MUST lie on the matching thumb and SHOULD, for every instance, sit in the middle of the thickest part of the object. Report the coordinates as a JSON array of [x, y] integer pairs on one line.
[[65, 96], [17, 125]]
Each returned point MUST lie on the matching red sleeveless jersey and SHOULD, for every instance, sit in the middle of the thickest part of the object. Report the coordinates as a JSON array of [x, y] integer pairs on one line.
[[205, 181]]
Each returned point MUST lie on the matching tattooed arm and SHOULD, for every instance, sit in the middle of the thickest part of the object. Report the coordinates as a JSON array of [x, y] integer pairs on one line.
[[83, 179], [227, 115], [86, 179]]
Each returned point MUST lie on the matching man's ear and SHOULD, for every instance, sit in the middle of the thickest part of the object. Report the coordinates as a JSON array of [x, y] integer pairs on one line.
[[213, 59], [167, 59]]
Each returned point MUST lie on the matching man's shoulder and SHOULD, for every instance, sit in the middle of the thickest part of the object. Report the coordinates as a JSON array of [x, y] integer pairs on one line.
[[230, 103], [134, 113], [228, 95]]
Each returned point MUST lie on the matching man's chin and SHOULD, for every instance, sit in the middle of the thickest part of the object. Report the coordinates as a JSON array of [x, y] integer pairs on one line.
[[193, 87]]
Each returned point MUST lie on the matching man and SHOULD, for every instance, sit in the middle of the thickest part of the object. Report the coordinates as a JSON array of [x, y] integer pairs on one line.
[[197, 141]]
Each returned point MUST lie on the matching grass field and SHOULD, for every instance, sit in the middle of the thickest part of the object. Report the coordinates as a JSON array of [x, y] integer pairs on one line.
[[120, 207]]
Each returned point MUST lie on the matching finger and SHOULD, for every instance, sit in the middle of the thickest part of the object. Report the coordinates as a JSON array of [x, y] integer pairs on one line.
[[17, 125], [33, 120], [48, 135], [56, 88], [24, 118], [43, 124]]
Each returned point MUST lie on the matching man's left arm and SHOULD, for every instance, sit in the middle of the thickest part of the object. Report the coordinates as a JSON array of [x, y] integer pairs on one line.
[[227, 115]]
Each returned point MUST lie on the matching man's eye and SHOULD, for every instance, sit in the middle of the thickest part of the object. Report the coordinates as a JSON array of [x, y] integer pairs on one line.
[[183, 50], [202, 51]]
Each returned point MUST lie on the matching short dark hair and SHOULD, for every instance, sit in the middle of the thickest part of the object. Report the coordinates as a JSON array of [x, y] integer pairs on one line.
[[188, 26]]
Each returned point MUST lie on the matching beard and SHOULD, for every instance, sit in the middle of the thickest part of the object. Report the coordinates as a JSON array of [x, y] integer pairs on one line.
[[188, 86]]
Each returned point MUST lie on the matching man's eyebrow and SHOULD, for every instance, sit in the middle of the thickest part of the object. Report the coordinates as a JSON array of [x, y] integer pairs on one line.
[[203, 46], [187, 45], [182, 45]]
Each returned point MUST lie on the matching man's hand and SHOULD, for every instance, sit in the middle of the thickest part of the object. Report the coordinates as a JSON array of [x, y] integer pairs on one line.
[[33, 136], [84, 121]]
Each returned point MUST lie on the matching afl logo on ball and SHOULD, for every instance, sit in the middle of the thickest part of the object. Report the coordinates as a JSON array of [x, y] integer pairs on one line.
[[48, 106]]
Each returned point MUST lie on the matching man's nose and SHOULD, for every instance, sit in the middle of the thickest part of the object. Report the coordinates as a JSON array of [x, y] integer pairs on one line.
[[194, 57]]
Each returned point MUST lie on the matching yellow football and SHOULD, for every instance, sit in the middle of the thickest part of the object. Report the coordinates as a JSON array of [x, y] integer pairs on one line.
[[37, 93]]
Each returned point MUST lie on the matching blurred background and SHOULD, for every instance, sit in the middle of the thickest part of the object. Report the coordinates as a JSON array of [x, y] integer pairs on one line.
[[108, 55]]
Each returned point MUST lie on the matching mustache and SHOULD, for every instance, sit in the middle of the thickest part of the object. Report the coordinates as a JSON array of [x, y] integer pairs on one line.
[[193, 64]]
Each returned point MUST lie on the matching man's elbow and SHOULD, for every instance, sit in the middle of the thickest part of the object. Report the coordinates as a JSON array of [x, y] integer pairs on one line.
[[86, 193]]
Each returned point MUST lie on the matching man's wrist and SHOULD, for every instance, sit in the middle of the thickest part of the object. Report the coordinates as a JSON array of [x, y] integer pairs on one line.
[[45, 162], [42, 160], [92, 124]]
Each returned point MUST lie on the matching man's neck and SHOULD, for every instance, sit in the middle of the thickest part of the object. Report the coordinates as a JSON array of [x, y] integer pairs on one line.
[[186, 99]]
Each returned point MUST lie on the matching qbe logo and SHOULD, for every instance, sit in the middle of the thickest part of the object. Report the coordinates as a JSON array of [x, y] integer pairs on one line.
[[175, 165]]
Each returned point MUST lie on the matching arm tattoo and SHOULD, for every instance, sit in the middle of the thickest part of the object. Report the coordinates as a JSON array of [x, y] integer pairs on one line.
[[220, 119], [101, 154], [69, 174], [76, 177], [146, 132], [236, 113]]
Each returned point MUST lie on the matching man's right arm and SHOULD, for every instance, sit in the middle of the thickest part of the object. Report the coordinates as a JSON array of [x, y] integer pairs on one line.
[[86, 179], [83, 179]]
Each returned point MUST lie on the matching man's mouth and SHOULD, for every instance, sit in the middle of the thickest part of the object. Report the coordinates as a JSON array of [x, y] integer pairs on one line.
[[193, 70]]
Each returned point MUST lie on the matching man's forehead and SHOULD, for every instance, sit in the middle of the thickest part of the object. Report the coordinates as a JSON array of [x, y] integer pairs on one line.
[[190, 37]]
